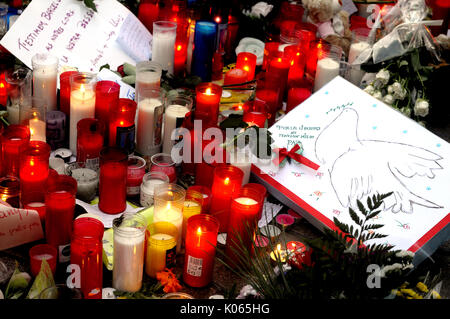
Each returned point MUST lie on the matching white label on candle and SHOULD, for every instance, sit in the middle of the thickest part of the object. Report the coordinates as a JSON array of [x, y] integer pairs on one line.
[[150, 113], [194, 267], [173, 119]]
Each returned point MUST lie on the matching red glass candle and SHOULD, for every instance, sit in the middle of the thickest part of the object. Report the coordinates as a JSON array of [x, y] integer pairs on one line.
[[213, 157], [227, 182], [296, 96], [247, 62], [35, 201], [42, 252], [235, 76], [15, 140], [277, 74], [90, 134], [3, 89], [207, 102], [113, 180], [206, 193], [262, 190], [255, 118], [148, 13], [86, 251], [217, 66], [317, 49], [64, 92], [122, 129], [271, 98], [180, 57], [60, 207], [163, 163], [244, 212], [106, 101], [201, 241], [34, 169], [269, 49], [135, 174]]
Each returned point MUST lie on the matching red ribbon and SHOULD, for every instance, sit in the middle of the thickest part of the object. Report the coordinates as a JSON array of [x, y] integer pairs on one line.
[[283, 153]]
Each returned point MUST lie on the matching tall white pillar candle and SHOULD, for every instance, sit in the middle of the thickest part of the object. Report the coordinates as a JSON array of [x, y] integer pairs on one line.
[[148, 75], [163, 44], [128, 253], [356, 74], [45, 73], [82, 103], [149, 121], [178, 106], [327, 69]]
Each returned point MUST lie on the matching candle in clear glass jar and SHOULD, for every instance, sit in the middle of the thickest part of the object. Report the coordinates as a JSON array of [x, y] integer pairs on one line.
[[10, 191], [45, 73], [149, 182], [148, 76], [135, 174], [149, 123], [206, 196], [122, 130], [34, 168], [32, 114], [178, 105], [163, 44], [207, 102], [129, 247], [86, 176], [227, 182], [82, 103], [244, 213], [192, 206], [162, 240], [90, 134], [169, 203], [56, 129], [113, 180], [86, 251], [15, 139], [201, 241], [106, 100], [60, 208]]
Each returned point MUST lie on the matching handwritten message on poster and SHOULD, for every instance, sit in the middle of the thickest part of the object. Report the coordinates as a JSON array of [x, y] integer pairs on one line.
[[77, 35], [18, 226]]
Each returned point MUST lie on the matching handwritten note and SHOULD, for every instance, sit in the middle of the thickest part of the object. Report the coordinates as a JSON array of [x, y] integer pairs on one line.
[[135, 39], [18, 226], [77, 35]]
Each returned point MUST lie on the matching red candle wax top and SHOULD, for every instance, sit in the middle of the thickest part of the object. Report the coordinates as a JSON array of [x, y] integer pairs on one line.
[[296, 246]]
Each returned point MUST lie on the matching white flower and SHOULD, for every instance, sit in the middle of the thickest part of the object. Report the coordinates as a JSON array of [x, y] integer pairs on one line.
[[399, 92], [390, 268], [404, 253], [382, 78], [388, 99], [421, 108], [286, 267], [406, 111], [247, 290], [390, 89], [377, 94], [259, 10], [369, 89]]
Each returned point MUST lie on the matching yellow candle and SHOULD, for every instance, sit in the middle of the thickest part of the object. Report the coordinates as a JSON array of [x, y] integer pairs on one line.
[[278, 254], [172, 215]]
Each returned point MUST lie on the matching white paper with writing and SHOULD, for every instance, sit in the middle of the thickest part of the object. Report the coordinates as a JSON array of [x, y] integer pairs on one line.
[[135, 39], [365, 147], [18, 227], [78, 36]]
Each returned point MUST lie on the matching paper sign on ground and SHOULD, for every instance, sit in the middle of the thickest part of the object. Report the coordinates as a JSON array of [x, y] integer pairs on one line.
[[77, 35], [363, 147], [18, 227]]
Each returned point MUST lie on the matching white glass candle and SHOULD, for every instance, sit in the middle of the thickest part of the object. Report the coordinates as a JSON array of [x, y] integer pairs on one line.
[[128, 254], [58, 165], [246, 201], [241, 159], [45, 73], [32, 114], [148, 75], [87, 180], [163, 44], [178, 106], [82, 103], [149, 182], [327, 69], [149, 121], [359, 45]]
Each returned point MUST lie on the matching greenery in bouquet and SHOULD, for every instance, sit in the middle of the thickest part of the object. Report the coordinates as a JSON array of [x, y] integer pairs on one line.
[[407, 83], [344, 264]]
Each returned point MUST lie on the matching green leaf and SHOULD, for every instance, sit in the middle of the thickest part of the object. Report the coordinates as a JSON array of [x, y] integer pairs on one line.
[[355, 217], [105, 66], [361, 207], [17, 284], [90, 4], [233, 121]]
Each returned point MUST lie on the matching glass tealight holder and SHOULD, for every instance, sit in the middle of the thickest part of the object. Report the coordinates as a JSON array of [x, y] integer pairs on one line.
[[149, 182], [163, 163], [32, 113], [87, 176]]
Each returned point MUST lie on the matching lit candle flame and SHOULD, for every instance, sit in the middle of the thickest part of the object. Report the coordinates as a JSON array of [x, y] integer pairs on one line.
[[2, 85], [227, 181], [199, 231], [246, 68], [218, 19], [208, 91], [279, 248], [279, 60], [179, 47], [82, 88]]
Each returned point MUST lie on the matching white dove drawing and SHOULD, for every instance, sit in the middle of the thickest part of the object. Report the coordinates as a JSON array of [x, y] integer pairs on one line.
[[359, 168]]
